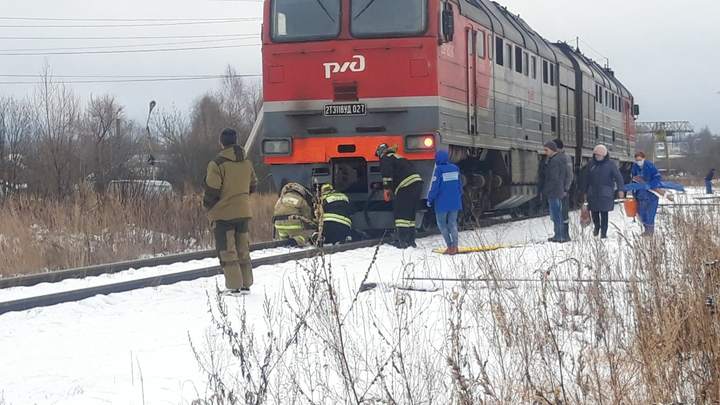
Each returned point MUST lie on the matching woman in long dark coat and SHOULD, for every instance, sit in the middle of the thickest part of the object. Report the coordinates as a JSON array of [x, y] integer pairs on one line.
[[603, 182]]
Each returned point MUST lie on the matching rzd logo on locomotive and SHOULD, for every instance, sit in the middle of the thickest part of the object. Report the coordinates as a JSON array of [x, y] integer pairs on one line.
[[357, 64]]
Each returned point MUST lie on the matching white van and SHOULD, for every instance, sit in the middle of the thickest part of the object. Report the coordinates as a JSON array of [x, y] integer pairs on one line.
[[137, 188]]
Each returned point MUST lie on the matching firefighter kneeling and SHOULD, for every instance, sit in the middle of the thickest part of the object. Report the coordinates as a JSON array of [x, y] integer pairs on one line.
[[293, 216], [336, 213]]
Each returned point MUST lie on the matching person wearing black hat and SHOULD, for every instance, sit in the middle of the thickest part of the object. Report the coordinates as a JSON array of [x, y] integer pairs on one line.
[[401, 180], [555, 184], [229, 182]]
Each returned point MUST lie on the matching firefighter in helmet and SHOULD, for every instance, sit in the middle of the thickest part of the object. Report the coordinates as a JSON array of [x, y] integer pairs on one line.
[[402, 185], [294, 215], [336, 213]]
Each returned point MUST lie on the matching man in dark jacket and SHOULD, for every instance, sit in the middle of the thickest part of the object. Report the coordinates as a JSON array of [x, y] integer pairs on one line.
[[602, 182], [403, 185], [555, 185], [570, 174], [337, 210], [229, 182], [708, 181], [446, 197]]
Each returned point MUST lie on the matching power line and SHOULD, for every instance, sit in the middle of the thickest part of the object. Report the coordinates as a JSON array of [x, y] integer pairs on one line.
[[139, 80], [167, 24], [120, 46], [116, 19], [128, 37], [116, 76], [125, 51]]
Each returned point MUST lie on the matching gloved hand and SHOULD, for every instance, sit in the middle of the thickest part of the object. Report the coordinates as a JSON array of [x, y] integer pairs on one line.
[[429, 204], [387, 195]]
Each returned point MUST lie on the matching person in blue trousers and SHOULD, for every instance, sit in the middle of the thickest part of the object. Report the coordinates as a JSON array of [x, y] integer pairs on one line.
[[708, 181], [446, 197], [644, 172]]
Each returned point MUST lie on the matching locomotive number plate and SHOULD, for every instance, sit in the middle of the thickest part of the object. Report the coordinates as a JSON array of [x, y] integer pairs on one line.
[[345, 109]]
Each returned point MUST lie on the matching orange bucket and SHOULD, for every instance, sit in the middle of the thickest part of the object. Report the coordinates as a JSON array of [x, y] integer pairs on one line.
[[631, 207]]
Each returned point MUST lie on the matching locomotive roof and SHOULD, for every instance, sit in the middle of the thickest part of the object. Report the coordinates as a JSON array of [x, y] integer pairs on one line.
[[496, 17], [512, 27]]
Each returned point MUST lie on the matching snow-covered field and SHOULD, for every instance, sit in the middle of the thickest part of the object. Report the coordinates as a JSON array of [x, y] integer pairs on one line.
[[135, 347]]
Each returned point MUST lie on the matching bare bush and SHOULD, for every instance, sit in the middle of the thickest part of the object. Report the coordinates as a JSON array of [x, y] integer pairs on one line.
[[40, 234], [629, 320]]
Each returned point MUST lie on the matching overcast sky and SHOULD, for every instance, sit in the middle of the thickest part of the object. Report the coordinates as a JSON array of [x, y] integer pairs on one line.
[[666, 52]]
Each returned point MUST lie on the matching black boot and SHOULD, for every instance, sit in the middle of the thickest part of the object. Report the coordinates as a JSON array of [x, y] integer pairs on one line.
[[596, 231], [400, 240], [411, 238]]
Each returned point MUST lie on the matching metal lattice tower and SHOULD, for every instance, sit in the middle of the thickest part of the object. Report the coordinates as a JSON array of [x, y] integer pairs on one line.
[[667, 134]]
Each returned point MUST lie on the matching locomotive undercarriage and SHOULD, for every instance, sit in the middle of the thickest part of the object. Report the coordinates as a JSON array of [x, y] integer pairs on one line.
[[496, 182]]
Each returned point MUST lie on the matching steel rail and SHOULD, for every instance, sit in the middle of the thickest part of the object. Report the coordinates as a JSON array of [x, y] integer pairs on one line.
[[168, 279], [172, 278], [97, 270]]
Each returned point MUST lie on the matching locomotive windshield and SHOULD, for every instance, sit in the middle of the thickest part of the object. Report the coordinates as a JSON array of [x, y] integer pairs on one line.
[[301, 20], [372, 18]]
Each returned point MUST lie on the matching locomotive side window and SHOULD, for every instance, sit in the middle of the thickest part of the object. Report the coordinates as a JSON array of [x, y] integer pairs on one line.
[[372, 18], [302, 20], [509, 49], [519, 115], [526, 61], [481, 45], [518, 59], [499, 49], [545, 72], [552, 74], [533, 66]]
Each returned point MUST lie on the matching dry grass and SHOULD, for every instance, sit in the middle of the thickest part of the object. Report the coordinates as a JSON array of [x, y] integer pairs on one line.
[[637, 330], [46, 234]]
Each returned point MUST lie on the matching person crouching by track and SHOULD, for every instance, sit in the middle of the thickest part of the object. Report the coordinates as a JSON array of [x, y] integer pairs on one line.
[[603, 181], [555, 186], [645, 172], [336, 216], [229, 182], [294, 214], [446, 197], [402, 185]]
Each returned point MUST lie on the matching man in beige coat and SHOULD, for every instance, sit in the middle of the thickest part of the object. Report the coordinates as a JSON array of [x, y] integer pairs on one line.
[[229, 182]]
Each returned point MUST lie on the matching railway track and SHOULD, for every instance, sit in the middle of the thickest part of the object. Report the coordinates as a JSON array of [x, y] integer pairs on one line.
[[46, 300], [167, 279], [98, 270]]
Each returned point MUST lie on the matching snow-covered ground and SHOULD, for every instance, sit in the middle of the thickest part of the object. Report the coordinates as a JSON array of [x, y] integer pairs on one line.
[[134, 347]]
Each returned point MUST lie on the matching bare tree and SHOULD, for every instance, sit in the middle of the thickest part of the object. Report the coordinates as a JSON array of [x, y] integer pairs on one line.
[[102, 123], [240, 100], [16, 127], [56, 110]]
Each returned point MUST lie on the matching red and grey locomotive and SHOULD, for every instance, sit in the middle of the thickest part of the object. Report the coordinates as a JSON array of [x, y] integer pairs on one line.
[[341, 77]]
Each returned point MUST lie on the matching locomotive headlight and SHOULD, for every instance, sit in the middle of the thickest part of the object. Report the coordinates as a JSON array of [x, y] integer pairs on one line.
[[420, 143], [276, 147]]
